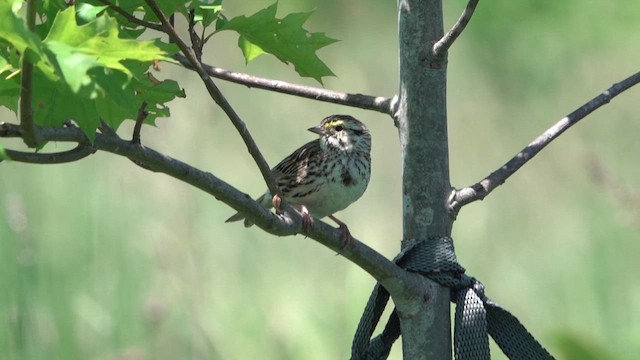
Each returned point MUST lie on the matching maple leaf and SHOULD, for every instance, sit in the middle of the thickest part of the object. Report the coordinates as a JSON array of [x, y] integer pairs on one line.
[[284, 38]]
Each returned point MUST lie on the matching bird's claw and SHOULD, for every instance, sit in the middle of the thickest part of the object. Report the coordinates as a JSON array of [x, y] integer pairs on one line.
[[307, 220], [347, 239], [307, 223], [277, 202]]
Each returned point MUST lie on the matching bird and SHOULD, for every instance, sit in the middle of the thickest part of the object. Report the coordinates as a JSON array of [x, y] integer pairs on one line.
[[325, 175]]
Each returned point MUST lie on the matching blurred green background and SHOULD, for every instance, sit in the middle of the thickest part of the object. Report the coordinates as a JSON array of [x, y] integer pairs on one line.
[[101, 259]]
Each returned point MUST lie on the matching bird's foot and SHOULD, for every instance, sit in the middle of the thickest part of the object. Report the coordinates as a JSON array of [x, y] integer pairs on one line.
[[346, 234], [277, 202], [307, 220]]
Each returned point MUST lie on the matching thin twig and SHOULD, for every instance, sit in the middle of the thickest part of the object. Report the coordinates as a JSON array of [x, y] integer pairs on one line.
[[75, 154], [106, 128], [196, 42], [480, 190], [217, 96], [368, 102], [142, 114], [27, 123], [289, 223], [131, 18], [442, 46]]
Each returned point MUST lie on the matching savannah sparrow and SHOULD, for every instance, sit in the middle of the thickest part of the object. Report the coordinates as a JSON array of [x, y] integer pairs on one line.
[[325, 175]]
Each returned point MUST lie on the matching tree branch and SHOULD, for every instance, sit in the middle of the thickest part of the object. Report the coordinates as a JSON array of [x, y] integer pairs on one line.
[[383, 270], [480, 190], [132, 19], [27, 123], [75, 154], [367, 102], [217, 96], [440, 48], [142, 114], [422, 128], [197, 43]]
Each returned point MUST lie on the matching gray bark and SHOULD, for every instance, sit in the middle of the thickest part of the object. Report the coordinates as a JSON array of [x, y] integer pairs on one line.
[[422, 126]]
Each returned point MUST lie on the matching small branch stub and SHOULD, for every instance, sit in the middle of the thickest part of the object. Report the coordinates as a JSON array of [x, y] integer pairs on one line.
[[439, 50]]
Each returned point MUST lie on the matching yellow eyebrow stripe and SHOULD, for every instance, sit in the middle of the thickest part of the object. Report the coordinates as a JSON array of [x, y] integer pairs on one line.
[[334, 123]]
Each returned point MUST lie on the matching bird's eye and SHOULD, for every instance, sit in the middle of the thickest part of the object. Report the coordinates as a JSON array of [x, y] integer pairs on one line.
[[338, 128]]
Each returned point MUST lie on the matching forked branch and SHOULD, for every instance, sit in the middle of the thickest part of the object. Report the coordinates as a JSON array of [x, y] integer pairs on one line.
[[440, 48], [217, 96], [480, 190]]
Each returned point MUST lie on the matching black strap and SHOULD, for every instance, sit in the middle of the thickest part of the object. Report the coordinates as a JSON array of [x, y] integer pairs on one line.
[[476, 315]]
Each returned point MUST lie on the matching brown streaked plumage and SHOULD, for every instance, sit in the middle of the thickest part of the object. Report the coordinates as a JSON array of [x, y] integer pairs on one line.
[[325, 175]]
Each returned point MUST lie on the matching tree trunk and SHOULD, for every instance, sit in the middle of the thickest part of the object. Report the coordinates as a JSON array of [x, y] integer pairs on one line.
[[422, 125]]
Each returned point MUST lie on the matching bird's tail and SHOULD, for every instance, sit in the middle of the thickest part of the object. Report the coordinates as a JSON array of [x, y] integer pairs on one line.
[[235, 217], [263, 200]]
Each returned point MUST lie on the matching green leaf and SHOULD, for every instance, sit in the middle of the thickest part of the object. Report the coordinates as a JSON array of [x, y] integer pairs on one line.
[[284, 38], [14, 30], [87, 12], [130, 6], [9, 86], [54, 102], [123, 103], [92, 70], [159, 92], [249, 49], [119, 101], [47, 12], [221, 22], [16, 5], [73, 65], [97, 78], [112, 96], [9, 93], [156, 93], [205, 11], [95, 43]]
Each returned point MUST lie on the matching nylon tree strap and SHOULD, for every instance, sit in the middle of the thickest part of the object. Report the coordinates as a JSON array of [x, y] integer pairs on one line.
[[476, 316]]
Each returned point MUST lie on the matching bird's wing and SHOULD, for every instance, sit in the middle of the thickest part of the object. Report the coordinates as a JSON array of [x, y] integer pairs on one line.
[[295, 169]]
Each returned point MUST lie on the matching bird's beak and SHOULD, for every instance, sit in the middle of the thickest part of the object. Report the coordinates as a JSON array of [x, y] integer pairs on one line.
[[318, 130]]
